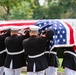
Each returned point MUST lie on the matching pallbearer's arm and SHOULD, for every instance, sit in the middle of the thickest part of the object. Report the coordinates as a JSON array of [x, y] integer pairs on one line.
[[49, 34], [25, 36], [6, 33]]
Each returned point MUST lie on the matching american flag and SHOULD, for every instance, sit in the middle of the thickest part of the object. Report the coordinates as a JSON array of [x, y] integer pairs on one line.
[[63, 32], [20, 24]]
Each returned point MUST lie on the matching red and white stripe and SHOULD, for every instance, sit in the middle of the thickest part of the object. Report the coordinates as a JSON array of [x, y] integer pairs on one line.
[[16, 23]]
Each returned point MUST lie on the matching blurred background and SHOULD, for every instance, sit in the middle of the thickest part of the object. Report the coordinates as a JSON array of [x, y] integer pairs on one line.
[[37, 9]]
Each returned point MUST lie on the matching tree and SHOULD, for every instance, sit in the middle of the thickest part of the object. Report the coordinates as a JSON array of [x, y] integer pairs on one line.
[[54, 11], [68, 7], [22, 11], [51, 10], [74, 9], [8, 4], [2, 12], [40, 12]]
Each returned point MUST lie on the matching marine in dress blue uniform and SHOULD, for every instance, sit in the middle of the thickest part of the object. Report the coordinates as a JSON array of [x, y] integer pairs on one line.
[[15, 59], [34, 48], [3, 35], [51, 55], [69, 61]]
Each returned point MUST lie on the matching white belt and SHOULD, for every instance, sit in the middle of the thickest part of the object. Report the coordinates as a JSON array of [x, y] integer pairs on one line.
[[47, 51], [35, 56], [15, 53], [2, 51], [70, 53], [52, 52]]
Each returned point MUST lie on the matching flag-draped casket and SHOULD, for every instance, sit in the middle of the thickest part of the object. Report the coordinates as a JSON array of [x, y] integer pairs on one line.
[[17, 23], [64, 33]]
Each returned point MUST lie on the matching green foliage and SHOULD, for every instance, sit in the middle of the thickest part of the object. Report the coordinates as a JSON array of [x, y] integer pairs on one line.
[[31, 9], [40, 13], [68, 8], [21, 12], [2, 12], [49, 11], [54, 11], [8, 5]]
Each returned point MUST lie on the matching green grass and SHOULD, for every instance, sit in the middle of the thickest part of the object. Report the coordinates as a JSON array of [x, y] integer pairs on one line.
[[24, 72], [60, 69]]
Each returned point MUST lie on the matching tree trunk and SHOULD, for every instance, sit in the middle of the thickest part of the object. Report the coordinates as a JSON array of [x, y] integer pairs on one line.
[[7, 13]]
